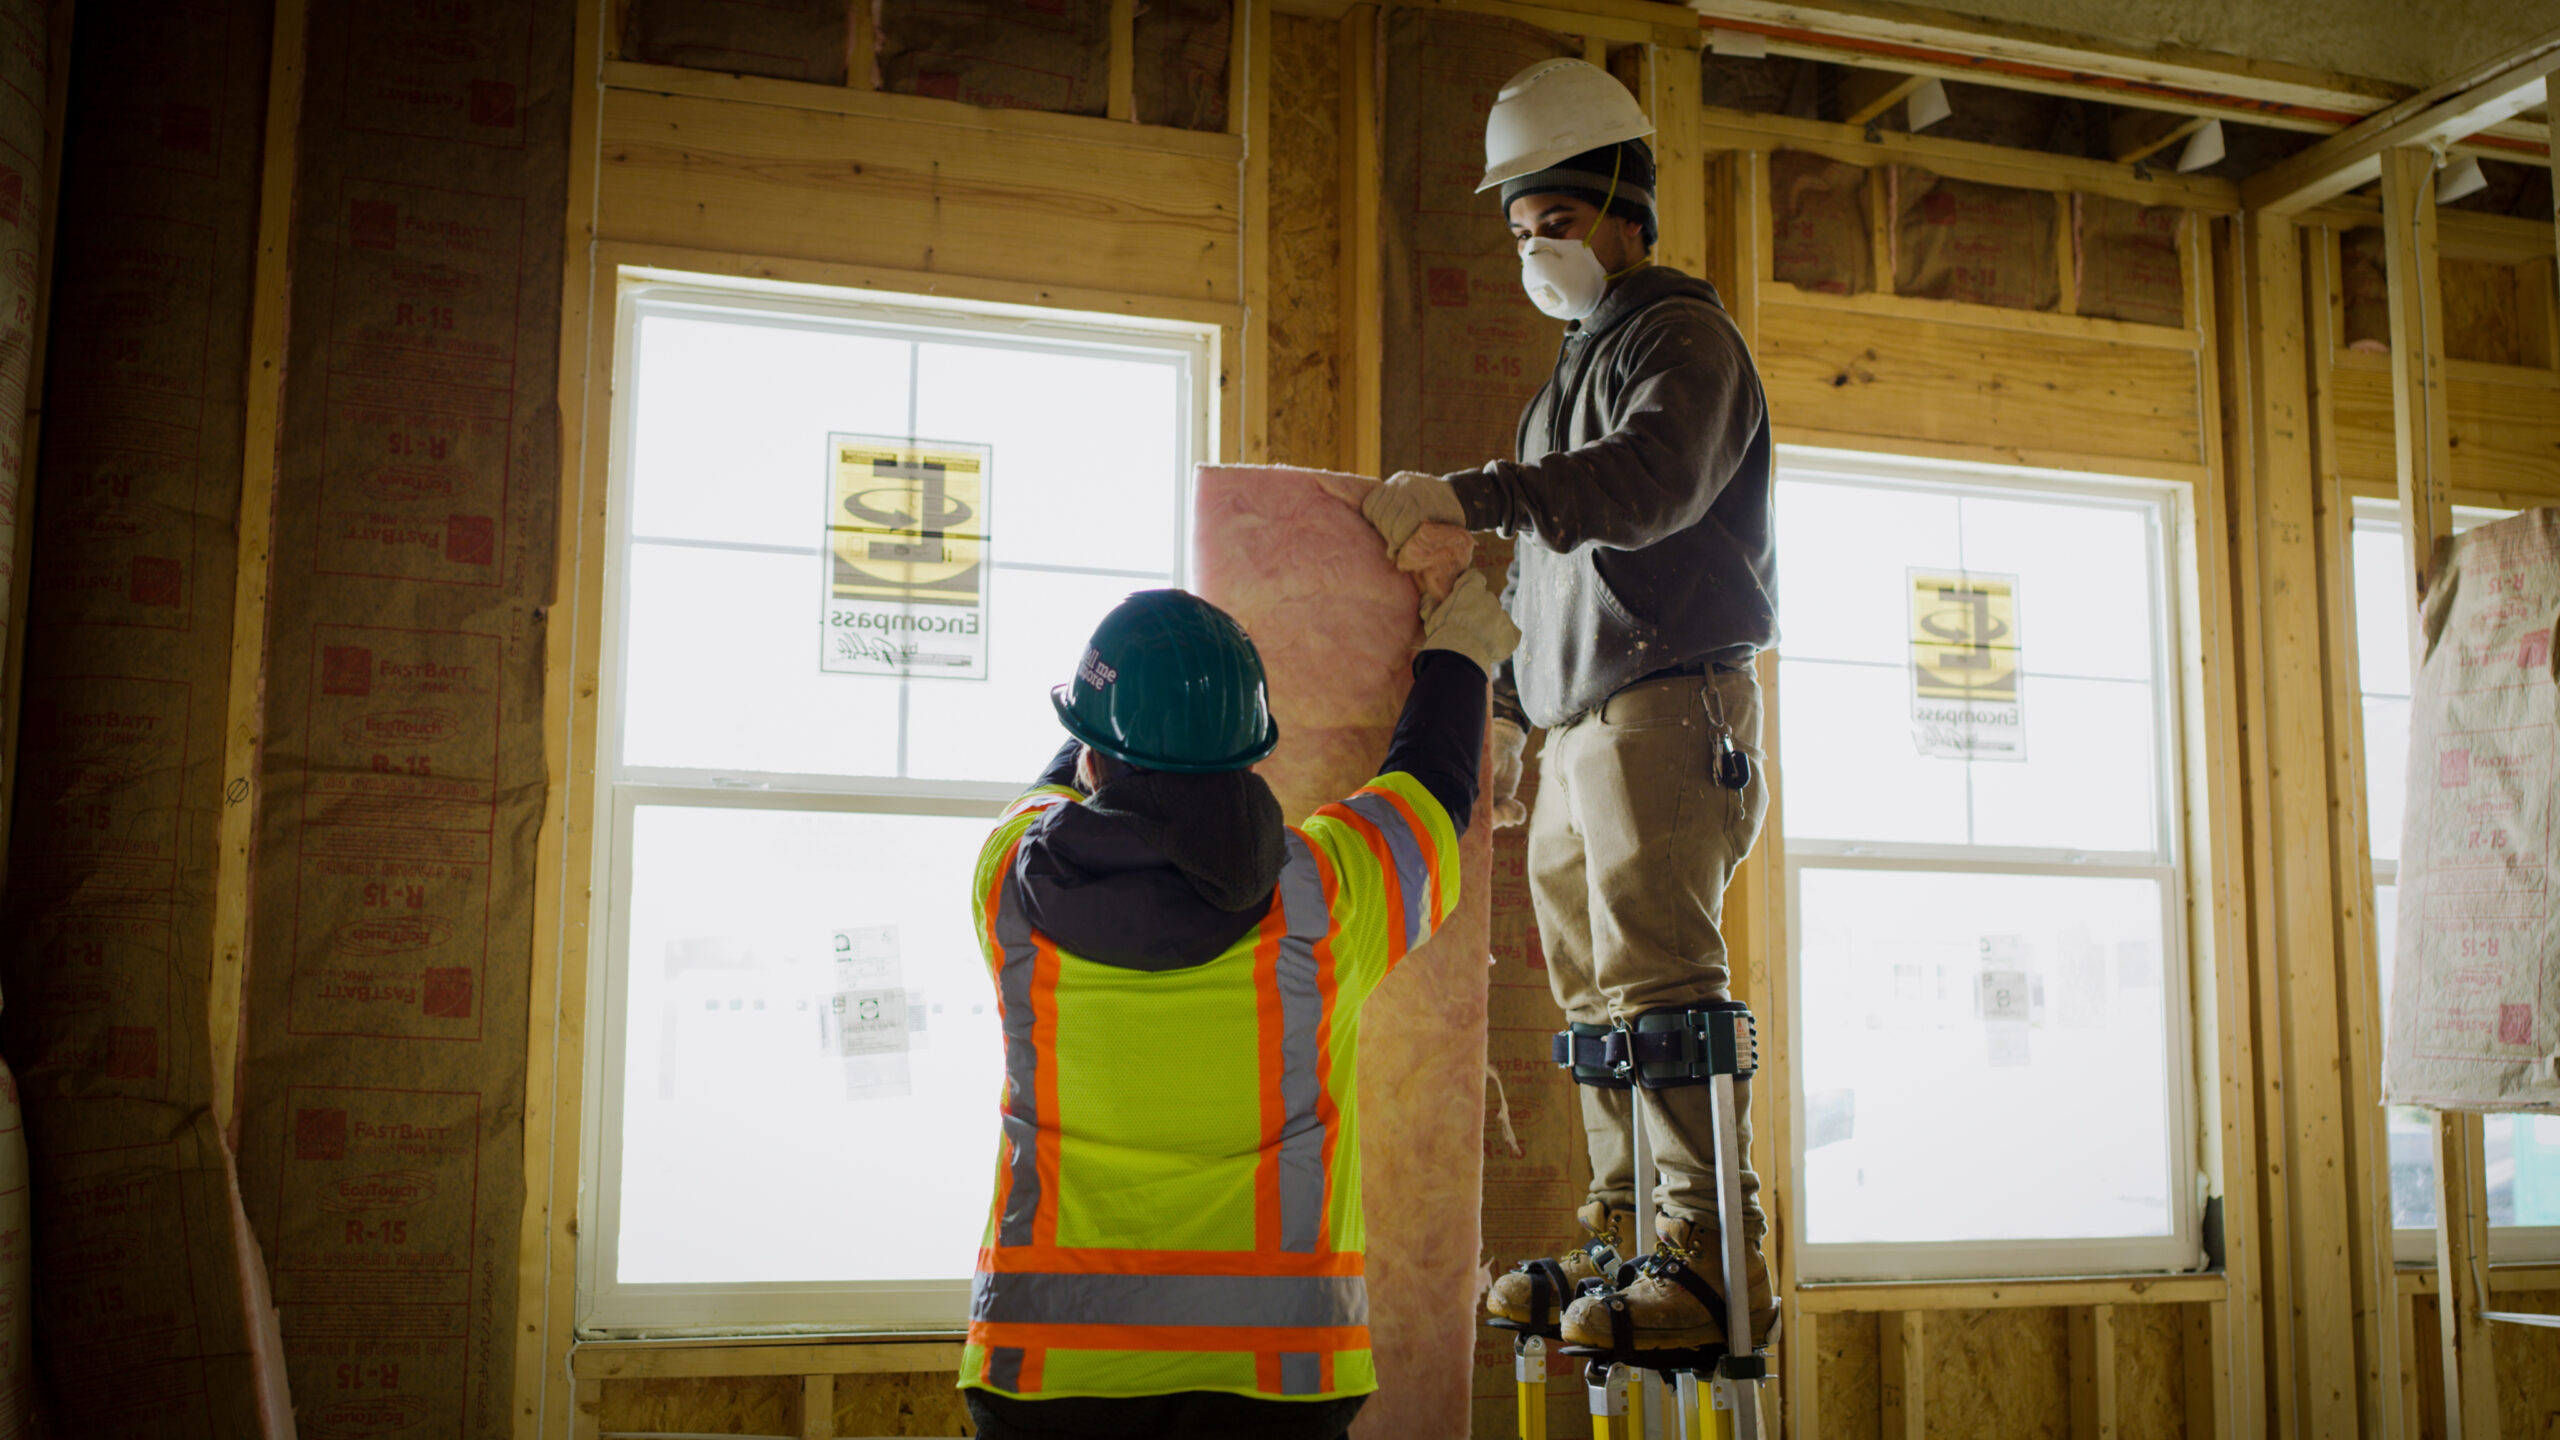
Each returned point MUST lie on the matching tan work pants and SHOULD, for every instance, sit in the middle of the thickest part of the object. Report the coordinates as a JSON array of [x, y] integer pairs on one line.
[[1631, 845]]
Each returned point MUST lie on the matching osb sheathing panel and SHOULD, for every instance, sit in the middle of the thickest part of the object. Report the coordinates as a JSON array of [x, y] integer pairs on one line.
[[111, 852], [2003, 1373], [381, 1144], [727, 1405], [2528, 1368], [899, 1405], [1306, 241], [2151, 1372], [2483, 317], [1846, 1371], [2505, 437]]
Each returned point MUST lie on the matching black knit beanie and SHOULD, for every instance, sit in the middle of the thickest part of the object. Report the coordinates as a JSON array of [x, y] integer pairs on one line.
[[1586, 177]]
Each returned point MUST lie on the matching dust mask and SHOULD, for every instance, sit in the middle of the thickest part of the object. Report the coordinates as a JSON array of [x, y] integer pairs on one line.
[[1563, 277]]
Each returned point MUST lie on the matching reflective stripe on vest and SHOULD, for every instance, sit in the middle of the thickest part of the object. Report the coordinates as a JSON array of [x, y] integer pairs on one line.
[[1265, 1301], [1022, 1191], [1304, 1134]]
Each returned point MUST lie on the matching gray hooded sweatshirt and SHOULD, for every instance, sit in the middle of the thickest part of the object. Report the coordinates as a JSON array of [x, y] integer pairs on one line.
[[1640, 501]]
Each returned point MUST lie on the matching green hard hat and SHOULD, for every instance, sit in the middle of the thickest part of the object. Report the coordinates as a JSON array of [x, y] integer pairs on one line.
[[1170, 682]]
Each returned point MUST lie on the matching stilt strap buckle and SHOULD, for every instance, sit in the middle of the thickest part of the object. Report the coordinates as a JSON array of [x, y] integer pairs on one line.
[[1662, 1049], [1583, 1049]]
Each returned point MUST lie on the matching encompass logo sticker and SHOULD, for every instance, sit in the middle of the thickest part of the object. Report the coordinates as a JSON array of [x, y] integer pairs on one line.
[[1967, 699], [906, 547]]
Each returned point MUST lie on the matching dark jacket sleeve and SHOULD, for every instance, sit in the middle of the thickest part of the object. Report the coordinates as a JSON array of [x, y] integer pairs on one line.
[[1062, 767], [1440, 736], [1686, 409]]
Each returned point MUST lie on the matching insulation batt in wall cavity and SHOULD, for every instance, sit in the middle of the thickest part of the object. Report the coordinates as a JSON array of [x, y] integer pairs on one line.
[[140, 1273], [1985, 244], [785, 39], [2124, 260], [1823, 240], [1006, 54], [1182, 52], [1337, 626]]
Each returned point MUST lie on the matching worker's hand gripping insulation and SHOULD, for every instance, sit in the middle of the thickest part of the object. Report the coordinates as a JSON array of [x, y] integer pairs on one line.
[[1472, 623], [1408, 501]]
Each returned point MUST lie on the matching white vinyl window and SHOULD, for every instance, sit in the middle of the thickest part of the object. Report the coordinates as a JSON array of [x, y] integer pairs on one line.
[[1979, 757], [796, 1062], [2523, 1150]]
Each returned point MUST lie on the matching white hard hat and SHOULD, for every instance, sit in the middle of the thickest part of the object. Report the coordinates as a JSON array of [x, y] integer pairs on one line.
[[1553, 111]]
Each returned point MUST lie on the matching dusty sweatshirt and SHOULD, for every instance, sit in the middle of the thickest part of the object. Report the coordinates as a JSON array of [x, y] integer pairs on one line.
[[1640, 501]]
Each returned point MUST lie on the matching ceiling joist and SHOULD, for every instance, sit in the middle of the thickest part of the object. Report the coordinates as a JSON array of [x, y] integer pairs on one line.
[[1916, 40], [2481, 96]]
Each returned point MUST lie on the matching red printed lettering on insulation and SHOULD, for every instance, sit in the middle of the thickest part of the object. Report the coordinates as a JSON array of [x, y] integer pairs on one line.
[[421, 384]]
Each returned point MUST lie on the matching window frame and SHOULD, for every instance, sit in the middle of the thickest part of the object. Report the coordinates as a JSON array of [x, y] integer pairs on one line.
[[2169, 506], [606, 1306], [2410, 1245]]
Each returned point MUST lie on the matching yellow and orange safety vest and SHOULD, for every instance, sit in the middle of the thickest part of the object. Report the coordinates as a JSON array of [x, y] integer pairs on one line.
[[1177, 1197]]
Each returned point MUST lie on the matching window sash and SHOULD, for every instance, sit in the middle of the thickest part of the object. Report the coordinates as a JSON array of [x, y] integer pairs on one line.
[[607, 1305], [1920, 1260]]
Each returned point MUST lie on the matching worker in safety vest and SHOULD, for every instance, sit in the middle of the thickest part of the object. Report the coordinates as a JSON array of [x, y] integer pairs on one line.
[[1644, 582], [1174, 1247]]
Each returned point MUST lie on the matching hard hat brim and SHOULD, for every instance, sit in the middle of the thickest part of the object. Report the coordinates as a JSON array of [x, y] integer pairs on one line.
[[1536, 161], [1252, 756]]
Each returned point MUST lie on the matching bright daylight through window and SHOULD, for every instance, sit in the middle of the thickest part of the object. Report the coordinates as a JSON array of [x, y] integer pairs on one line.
[[2523, 1151], [854, 547], [1979, 756]]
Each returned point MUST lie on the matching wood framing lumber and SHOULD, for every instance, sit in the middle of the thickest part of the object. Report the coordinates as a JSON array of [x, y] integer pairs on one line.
[[2462, 1249], [862, 49], [630, 77], [2479, 97], [2423, 449], [2093, 1373], [1966, 160], [1881, 34], [1902, 1372], [261, 451], [2421, 429], [782, 1355], [1866, 94], [1253, 19], [818, 1405], [1085, 210], [1363, 263], [2134, 135], [1918, 1295], [1121, 102]]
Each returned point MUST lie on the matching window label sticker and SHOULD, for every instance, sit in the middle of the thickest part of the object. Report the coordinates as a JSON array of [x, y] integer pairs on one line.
[[906, 574], [865, 1020], [1967, 696]]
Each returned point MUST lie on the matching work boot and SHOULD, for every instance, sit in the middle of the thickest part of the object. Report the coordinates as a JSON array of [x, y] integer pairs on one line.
[[1536, 1291], [1676, 1301]]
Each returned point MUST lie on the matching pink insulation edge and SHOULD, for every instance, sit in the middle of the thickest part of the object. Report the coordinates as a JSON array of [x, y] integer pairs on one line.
[[1337, 624]]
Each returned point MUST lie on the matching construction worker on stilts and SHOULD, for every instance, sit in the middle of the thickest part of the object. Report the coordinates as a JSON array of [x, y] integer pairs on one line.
[[1644, 584]]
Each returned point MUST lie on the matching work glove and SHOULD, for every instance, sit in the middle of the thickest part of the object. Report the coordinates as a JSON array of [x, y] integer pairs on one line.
[[1407, 502], [1506, 740], [1471, 623]]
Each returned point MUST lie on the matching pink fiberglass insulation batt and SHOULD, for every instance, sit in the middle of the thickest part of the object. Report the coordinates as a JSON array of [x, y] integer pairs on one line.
[[1287, 554]]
